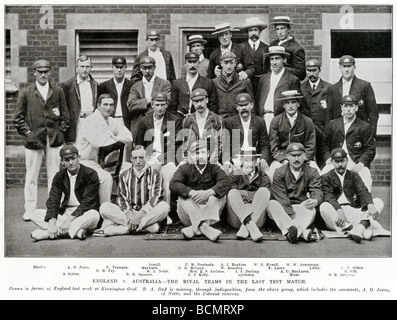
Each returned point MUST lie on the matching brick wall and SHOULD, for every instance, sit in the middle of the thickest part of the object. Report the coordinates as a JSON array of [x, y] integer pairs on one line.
[[44, 44]]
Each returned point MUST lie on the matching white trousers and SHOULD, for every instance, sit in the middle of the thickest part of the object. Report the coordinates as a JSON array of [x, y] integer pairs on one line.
[[88, 221], [364, 173], [302, 218], [275, 165], [105, 180], [116, 221], [33, 159], [353, 215], [238, 211], [191, 213]]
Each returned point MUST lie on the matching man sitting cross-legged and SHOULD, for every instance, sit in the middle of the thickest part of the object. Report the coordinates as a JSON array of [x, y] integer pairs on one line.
[[141, 205]]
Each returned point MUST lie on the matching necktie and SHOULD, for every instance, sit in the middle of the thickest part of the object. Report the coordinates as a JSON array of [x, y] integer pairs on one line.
[[314, 87], [254, 46]]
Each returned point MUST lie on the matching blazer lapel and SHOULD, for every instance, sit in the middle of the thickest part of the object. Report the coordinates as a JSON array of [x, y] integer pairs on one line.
[[282, 80], [336, 179]]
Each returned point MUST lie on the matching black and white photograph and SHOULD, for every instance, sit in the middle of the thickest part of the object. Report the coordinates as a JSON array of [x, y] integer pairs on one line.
[[197, 151]]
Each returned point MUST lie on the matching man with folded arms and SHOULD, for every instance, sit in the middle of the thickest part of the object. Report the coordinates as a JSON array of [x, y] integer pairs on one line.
[[202, 188], [296, 192], [348, 205], [141, 206], [73, 202], [249, 195]]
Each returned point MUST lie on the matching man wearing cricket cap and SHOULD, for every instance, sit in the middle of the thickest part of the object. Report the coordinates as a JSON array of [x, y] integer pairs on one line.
[[245, 130], [196, 44], [201, 188], [73, 202], [164, 63], [295, 192], [224, 34], [203, 124], [314, 103], [181, 88], [349, 84], [228, 85], [296, 59], [249, 195], [348, 206], [42, 117], [354, 135]]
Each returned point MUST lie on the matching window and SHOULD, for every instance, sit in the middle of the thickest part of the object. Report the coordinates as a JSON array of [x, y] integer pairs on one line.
[[361, 43], [101, 46], [7, 56]]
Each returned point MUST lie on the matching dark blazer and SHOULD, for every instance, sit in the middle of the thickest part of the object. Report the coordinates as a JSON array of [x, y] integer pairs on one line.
[[110, 88], [258, 137], [281, 135], [86, 191], [296, 59], [241, 180], [215, 60], [180, 95], [227, 92], [255, 59], [310, 104], [41, 118], [288, 191], [136, 74], [359, 140], [367, 107], [170, 127], [72, 95], [187, 178], [287, 82], [353, 186]]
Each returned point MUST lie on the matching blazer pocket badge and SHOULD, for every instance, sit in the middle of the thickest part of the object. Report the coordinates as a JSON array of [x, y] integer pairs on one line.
[[358, 144], [56, 112], [167, 134]]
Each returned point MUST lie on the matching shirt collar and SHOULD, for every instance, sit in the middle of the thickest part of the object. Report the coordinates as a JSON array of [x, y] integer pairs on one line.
[[314, 83], [293, 117], [157, 120], [201, 58], [189, 77], [201, 170], [71, 176], [251, 43], [148, 82], [228, 49], [79, 80], [139, 174], [46, 86], [285, 40], [116, 83]]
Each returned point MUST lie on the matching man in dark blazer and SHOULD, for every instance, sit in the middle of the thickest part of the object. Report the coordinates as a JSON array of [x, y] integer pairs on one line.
[[119, 87], [349, 84], [164, 61], [348, 205], [243, 131], [314, 103], [181, 88], [296, 59], [291, 126], [81, 93], [254, 51], [141, 92], [73, 202], [224, 34], [355, 136], [273, 84]]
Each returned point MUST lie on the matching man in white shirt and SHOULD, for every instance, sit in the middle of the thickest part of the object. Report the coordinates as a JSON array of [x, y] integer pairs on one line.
[[100, 130], [164, 62], [273, 84], [73, 202], [348, 206]]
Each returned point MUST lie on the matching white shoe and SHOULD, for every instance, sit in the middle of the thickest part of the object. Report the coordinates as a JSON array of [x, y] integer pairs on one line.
[[27, 216], [81, 234], [254, 231], [211, 233], [243, 232], [357, 233], [169, 221], [153, 228]]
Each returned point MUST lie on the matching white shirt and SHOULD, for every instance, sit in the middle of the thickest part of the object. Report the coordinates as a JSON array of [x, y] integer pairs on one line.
[[251, 43], [85, 95], [119, 87], [157, 134], [202, 170], [346, 126], [43, 89], [274, 80], [201, 120], [161, 69], [201, 58], [314, 83], [346, 87], [285, 40], [72, 199], [342, 198], [292, 119], [148, 85], [228, 49], [246, 129], [296, 173]]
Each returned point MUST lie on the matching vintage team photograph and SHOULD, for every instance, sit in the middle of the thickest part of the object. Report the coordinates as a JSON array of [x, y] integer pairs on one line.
[[189, 131]]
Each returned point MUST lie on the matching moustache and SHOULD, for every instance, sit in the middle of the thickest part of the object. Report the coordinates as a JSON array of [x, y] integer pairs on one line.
[[192, 69], [255, 37]]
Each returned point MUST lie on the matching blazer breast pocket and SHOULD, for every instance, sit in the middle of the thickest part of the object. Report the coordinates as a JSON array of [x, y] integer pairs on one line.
[[298, 137]]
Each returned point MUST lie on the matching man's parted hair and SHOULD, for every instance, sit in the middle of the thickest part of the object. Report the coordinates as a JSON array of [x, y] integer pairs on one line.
[[104, 96], [83, 58]]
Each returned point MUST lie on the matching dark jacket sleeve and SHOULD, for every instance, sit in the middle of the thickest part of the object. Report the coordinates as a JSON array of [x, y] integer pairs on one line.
[[279, 192], [90, 199], [211, 66], [369, 143], [54, 198], [298, 64], [20, 113], [213, 98], [174, 102], [172, 75], [263, 143], [328, 190], [223, 182], [372, 107], [315, 187], [64, 122], [364, 196], [178, 182]]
